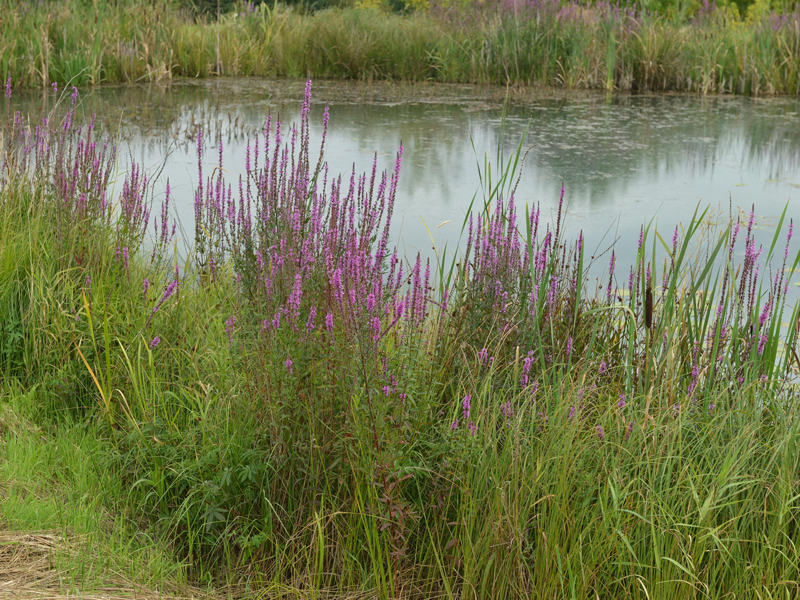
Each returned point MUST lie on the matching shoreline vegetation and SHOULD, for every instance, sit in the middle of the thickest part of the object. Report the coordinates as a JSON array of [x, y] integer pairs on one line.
[[688, 47], [294, 409]]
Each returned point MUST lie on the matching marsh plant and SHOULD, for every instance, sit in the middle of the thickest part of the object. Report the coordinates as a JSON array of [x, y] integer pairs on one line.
[[639, 46], [294, 405]]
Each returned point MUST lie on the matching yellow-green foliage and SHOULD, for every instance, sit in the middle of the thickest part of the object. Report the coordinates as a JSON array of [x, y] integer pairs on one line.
[[571, 46]]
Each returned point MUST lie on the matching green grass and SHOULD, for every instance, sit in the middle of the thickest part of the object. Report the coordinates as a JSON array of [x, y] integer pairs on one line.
[[203, 459], [85, 43], [55, 477]]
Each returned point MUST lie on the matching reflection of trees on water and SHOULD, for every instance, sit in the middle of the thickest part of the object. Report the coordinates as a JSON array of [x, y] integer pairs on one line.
[[603, 147]]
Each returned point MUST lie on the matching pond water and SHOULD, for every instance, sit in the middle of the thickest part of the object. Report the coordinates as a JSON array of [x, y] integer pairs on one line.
[[623, 159]]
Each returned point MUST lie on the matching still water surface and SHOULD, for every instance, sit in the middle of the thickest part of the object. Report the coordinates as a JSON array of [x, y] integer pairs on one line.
[[623, 159]]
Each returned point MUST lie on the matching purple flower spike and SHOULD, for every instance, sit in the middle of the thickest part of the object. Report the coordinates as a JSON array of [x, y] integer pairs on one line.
[[526, 369], [621, 403], [483, 356], [762, 342], [466, 405], [170, 289], [230, 325], [764, 314], [507, 410], [312, 315], [630, 430], [8, 88], [376, 329], [289, 366], [156, 341]]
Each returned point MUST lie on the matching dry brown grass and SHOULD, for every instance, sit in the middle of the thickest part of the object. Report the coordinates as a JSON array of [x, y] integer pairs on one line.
[[26, 563], [28, 571]]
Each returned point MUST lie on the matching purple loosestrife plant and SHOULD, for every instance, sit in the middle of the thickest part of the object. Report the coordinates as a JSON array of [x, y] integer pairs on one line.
[[126, 260], [465, 404], [301, 244], [312, 315], [73, 170], [527, 364], [292, 230], [134, 210], [168, 291], [508, 411], [518, 280], [164, 234], [230, 327]]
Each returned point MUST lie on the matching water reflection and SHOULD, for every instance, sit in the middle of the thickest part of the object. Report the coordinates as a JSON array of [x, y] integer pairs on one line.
[[624, 159]]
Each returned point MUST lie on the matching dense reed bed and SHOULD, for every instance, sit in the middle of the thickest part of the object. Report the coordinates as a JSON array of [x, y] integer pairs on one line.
[[539, 42], [296, 409]]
